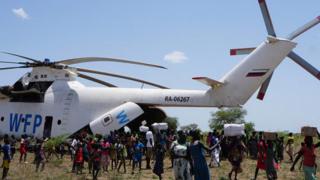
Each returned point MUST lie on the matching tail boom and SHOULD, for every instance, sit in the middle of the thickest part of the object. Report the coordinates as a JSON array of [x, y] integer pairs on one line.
[[244, 79]]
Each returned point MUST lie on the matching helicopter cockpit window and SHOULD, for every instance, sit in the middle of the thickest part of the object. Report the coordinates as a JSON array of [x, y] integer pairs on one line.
[[30, 91]]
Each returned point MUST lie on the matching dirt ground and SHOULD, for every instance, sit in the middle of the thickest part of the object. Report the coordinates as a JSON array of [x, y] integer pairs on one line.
[[61, 169]]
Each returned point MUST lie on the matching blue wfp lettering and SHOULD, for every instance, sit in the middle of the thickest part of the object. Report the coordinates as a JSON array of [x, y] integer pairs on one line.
[[15, 121], [122, 117], [37, 122], [26, 122]]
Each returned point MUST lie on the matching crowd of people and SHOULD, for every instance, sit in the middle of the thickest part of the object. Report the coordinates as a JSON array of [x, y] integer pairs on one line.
[[186, 150]]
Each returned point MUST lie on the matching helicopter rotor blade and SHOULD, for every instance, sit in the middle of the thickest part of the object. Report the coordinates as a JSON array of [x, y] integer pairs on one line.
[[95, 80], [264, 87], [304, 64], [266, 17], [97, 59], [20, 56], [121, 76], [304, 28], [9, 62], [17, 67]]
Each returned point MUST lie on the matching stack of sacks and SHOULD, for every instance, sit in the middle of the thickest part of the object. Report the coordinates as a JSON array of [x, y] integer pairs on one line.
[[309, 131], [233, 129], [160, 126]]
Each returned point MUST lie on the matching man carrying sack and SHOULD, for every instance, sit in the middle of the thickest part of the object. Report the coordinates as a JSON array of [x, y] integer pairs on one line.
[[308, 153]]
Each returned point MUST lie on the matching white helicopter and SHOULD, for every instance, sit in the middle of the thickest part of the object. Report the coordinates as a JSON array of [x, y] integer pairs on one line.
[[49, 101]]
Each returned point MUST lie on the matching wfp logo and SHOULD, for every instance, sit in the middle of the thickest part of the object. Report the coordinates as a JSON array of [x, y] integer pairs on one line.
[[122, 117]]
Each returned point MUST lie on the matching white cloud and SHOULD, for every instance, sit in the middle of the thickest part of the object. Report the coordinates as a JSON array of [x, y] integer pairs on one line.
[[20, 13], [175, 57]]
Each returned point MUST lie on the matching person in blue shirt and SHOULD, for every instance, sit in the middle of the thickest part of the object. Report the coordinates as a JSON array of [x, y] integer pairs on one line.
[[200, 167], [6, 149], [137, 154]]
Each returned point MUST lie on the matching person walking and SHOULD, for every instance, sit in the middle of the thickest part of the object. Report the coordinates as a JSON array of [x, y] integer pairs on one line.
[[122, 155], [262, 148], [39, 155], [271, 161], [23, 150], [149, 151], [113, 154], [289, 146], [96, 160], [6, 149], [235, 156], [309, 158], [215, 149], [158, 166], [182, 164], [105, 158], [200, 167], [79, 158], [137, 154]]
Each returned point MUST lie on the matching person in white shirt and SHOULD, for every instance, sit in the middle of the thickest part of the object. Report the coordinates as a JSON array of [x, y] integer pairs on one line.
[[150, 145]]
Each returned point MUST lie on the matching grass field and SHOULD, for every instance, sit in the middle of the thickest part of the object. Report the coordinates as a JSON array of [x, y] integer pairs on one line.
[[61, 169]]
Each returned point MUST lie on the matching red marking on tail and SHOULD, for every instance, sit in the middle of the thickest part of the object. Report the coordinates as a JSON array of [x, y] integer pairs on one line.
[[255, 74], [198, 78], [318, 17], [261, 1], [318, 76], [233, 52], [261, 95]]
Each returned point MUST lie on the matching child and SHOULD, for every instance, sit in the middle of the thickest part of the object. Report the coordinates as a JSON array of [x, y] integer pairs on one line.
[[13, 142], [105, 154], [122, 155], [6, 158], [23, 150], [90, 143], [96, 155], [289, 146], [280, 148], [137, 154], [113, 155], [39, 155]]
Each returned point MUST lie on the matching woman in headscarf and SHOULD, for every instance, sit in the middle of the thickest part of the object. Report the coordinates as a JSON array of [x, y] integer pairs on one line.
[[235, 157], [182, 159], [200, 167], [158, 166], [215, 149]]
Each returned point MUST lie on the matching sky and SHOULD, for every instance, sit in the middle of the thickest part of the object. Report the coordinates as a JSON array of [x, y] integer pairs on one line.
[[190, 38]]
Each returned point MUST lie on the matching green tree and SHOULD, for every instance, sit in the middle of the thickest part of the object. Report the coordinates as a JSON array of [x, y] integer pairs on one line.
[[173, 123], [189, 127], [249, 127], [230, 116]]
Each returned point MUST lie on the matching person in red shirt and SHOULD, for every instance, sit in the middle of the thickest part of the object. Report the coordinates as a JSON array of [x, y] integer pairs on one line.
[[90, 150], [105, 146], [262, 156], [79, 158], [309, 158], [23, 150], [96, 160]]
